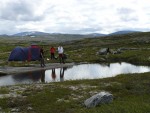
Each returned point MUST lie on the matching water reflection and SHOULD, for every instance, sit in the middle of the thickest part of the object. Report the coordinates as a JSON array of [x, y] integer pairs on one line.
[[83, 71], [62, 70], [30, 77], [56, 74], [23, 78], [53, 74]]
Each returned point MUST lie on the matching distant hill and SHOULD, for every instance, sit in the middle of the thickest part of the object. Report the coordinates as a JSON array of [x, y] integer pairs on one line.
[[37, 33], [47, 38], [4, 35], [32, 33], [36, 36], [122, 32], [95, 34]]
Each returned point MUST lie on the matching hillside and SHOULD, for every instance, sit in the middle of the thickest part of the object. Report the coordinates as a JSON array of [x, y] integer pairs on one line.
[[129, 90], [85, 49], [123, 32]]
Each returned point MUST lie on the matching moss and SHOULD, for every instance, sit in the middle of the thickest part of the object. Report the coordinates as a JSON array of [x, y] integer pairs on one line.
[[4, 90]]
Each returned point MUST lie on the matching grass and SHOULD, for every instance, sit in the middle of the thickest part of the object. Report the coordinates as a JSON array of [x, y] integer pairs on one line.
[[134, 56], [130, 91], [131, 95], [4, 90], [86, 50]]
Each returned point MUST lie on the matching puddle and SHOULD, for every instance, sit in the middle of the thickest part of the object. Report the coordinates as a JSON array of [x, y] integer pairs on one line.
[[77, 72]]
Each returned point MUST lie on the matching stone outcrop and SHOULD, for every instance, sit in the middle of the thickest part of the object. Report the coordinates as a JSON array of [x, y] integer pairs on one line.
[[98, 99], [102, 51]]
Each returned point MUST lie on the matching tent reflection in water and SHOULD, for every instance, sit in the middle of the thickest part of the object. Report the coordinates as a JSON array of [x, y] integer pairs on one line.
[[29, 77], [31, 53]]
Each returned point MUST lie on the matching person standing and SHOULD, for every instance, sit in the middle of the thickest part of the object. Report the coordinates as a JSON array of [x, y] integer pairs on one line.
[[60, 53], [42, 57], [52, 52]]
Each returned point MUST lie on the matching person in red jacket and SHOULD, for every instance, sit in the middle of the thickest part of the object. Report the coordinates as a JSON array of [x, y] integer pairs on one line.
[[52, 52]]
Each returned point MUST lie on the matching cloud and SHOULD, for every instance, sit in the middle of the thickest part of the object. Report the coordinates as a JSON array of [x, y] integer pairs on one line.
[[19, 10], [127, 14], [73, 16]]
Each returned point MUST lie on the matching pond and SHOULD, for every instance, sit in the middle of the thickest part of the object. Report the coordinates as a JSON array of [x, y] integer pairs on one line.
[[77, 72]]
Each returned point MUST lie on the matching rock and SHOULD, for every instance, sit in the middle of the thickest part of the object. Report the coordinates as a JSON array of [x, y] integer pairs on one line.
[[98, 99], [5, 95], [15, 110], [29, 108], [73, 87], [103, 51]]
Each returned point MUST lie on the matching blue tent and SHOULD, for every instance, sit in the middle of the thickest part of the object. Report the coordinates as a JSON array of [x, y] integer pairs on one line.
[[25, 54]]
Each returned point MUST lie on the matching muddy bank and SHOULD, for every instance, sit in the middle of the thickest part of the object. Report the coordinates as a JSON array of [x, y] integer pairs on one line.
[[14, 70]]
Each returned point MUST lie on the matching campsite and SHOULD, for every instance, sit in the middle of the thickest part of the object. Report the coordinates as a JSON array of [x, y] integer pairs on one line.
[[74, 56], [130, 91], [31, 53]]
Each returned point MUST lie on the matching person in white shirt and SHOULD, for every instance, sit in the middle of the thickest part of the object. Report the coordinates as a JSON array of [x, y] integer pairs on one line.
[[60, 53]]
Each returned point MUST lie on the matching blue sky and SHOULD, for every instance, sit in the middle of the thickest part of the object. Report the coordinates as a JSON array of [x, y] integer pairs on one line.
[[74, 16]]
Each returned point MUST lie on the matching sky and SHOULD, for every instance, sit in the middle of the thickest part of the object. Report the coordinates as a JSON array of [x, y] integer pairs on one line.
[[74, 16]]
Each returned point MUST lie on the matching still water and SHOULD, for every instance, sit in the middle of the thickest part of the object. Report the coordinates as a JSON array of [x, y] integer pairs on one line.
[[77, 72]]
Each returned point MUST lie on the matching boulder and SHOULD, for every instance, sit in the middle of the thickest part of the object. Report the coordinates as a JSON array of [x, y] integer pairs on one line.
[[103, 51], [98, 99]]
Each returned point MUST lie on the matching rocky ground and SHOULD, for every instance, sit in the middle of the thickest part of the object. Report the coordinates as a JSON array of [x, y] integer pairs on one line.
[[17, 95]]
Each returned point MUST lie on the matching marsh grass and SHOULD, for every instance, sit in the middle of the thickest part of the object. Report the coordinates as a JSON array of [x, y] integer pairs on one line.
[[4, 90], [131, 91], [134, 56], [85, 50]]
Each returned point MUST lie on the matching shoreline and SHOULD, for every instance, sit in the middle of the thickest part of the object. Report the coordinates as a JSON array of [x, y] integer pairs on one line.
[[16, 70]]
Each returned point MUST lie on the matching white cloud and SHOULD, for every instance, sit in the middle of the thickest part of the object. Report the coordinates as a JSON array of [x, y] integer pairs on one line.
[[74, 16]]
